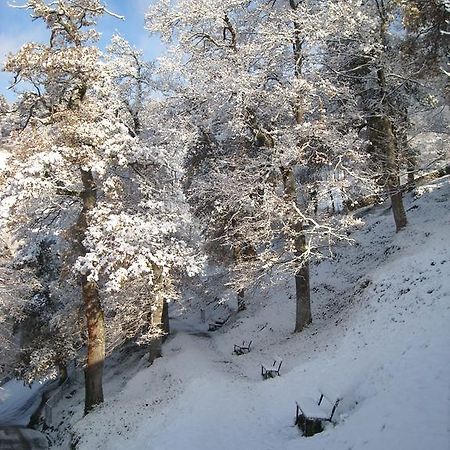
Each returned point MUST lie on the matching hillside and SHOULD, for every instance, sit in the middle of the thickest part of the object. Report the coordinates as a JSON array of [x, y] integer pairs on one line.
[[379, 339]]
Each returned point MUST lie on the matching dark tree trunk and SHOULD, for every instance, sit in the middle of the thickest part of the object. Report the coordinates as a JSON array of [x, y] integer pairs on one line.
[[63, 373], [96, 345], [155, 347], [381, 129], [408, 154], [241, 300], [92, 306], [157, 317], [393, 179], [302, 289], [411, 167], [160, 320], [242, 252], [398, 210], [165, 320], [384, 145]]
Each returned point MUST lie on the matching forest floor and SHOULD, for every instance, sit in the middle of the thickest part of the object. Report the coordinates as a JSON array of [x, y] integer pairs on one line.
[[380, 339]]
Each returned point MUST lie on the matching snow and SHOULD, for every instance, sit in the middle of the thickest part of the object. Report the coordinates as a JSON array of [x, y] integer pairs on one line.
[[12, 438], [311, 409], [380, 340], [4, 156], [18, 401]]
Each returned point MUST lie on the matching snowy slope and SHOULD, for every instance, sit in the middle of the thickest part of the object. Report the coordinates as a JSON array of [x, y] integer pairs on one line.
[[18, 401], [380, 339]]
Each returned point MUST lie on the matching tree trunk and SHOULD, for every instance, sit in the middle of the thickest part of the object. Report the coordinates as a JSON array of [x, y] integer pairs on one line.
[[384, 144], [408, 155], [96, 345], [165, 320], [92, 306], [411, 167], [393, 180], [155, 347], [241, 300], [384, 136], [159, 317], [398, 210], [302, 289], [242, 252], [63, 373]]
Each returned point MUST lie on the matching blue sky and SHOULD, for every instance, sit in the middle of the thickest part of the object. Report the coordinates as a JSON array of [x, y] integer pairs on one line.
[[16, 28]]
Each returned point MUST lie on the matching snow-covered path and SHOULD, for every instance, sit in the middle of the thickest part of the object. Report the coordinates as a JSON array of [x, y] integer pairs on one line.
[[210, 400]]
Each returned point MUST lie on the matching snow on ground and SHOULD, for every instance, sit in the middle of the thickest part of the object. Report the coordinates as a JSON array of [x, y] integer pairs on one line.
[[380, 339], [18, 401]]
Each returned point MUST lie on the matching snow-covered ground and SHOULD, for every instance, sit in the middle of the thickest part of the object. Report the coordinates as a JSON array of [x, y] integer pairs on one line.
[[380, 339], [18, 401]]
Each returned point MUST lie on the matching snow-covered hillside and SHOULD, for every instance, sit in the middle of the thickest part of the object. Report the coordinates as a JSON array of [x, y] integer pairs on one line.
[[380, 339]]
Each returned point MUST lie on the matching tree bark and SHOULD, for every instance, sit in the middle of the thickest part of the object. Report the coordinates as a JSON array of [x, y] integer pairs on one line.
[[63, 373], [155, 347], [242, 252], [408, 154], [159, 317], [165, 320], [96, 345], [241, 300], [393, 179], [302, 288], [303, 315], [92, 306], [383, 134], [411, 167], [383, 140]]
